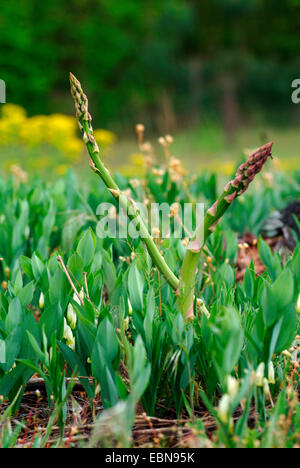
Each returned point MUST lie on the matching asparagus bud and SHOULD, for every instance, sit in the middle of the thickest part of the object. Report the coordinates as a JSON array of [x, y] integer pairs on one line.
[[244, 176]]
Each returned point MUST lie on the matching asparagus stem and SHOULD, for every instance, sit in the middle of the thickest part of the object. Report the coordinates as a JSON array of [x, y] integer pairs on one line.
[[84, 121], [233, 189]]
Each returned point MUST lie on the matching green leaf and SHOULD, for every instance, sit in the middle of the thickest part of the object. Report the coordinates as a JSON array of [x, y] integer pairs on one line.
[[14, 316], [58, 288], [269, 305], [26, 294], [109, 273], [11, 383], [18, 282], [231, 246], [13, 345], [26, 265], [18, 234], [228, 340], [36, 347], [52, 319], [135, 287], [139, 372], [37, 267], [103, 372], [76, 266], [35, 368], [86, 248], [107, 337], [283, 289], [227, 274], [288, 329], [249, 283], [270, 260]]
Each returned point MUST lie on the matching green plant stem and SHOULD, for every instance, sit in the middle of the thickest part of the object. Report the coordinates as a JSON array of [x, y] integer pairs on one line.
[[97, 165], [233, 189]]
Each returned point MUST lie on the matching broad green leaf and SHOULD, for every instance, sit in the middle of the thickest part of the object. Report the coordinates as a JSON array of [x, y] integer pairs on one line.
[[76, 266], [18, 282], [86, 248], [26, 265], [58, 288], [135, 287], [228, 340], [13, 345], [103, 372], [15, 315], [270, 260], [26, 294], [37, 267], [106, 336], [288, 329], [283, 289], [41, 356], [109, 273], [269, 305]]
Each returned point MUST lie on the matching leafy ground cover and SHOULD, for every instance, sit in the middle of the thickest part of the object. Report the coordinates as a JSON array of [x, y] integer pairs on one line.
[[94, 347]]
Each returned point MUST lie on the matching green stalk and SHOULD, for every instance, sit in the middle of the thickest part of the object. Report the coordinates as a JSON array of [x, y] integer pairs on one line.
[[84, 120], [233, 189]]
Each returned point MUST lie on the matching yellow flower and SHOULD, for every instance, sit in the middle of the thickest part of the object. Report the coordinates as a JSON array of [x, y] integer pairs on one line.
[[11, 122], [56, 131], [33, 131], [13, 113]]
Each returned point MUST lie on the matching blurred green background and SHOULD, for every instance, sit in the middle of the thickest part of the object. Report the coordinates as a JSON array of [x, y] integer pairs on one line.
[[216, 74]]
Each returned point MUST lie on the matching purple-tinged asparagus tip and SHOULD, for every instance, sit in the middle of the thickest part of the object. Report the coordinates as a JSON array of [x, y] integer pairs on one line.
[[248, 170]]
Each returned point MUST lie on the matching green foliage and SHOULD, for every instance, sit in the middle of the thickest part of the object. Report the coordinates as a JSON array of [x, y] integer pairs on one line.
[[128, 322]]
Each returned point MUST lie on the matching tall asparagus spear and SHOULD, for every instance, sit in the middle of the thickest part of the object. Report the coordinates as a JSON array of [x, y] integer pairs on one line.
[[84, 120], [244, 176]]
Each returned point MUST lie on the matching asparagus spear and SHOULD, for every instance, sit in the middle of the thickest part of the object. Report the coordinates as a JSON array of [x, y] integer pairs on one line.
[[84, 120], [244, 176]]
